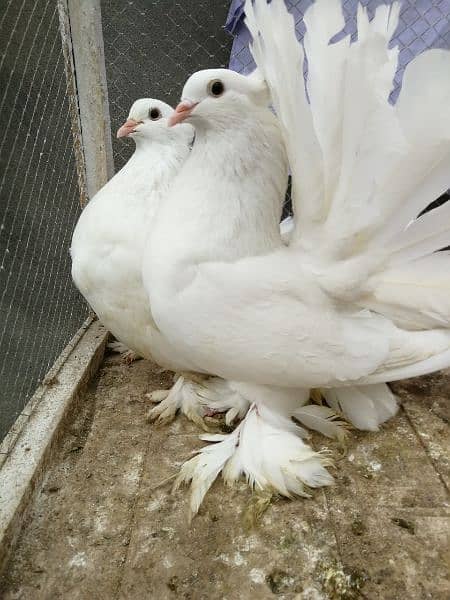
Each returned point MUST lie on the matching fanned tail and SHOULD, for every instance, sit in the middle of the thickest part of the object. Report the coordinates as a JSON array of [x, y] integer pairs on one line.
[[341, 142], [363, 169]]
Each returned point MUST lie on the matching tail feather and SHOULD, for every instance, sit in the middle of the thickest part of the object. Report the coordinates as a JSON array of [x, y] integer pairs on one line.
[[425, 235], [372, 138], [415, 295], [365, 406], [421, 177], [326, 64], [272, 28], [422, 174]]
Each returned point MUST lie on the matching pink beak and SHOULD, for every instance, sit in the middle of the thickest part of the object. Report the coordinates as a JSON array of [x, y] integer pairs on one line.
[[128, 127], [182, 112]]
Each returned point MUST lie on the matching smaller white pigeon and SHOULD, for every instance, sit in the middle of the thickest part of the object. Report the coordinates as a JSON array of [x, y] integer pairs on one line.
[[109, 238], [107, 248]]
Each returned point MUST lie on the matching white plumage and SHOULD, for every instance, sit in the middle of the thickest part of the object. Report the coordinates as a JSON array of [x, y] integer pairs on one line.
[[107, 248], [323, 312], [109, 239]]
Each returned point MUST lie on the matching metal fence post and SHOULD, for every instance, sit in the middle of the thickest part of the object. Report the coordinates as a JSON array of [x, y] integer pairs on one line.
[[90, 76], [72, 96]]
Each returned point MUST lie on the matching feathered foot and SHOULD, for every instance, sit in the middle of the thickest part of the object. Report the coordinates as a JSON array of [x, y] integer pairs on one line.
[[197, 400], [322, 419], [364, 407], [266, 449], [181, 397], [128, 356]]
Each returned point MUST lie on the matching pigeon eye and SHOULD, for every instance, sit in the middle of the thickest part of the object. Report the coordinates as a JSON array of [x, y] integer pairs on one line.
[[154, 114], [216, 88]]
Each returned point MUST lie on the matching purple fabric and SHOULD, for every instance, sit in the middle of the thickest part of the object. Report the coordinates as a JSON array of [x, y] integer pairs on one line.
[[423, 24]]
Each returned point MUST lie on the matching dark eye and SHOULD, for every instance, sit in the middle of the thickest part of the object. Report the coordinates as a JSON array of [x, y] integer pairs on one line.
[[154, 114], [216, 88]]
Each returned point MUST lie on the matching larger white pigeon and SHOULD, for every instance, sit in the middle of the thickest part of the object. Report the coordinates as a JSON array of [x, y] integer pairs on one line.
[[359, 296]]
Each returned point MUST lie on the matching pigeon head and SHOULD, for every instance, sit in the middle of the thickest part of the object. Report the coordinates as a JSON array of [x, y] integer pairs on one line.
[[148, 118], [214, 95]]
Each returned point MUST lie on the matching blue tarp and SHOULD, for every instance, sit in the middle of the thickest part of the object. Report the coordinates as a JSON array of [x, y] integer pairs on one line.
[[423, 24]]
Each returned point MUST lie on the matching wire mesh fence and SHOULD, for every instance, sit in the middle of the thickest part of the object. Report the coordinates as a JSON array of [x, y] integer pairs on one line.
[[152, 46], [422, 24], [40, 310]]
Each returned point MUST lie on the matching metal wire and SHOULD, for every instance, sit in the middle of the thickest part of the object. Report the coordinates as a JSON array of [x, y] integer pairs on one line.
[[422, 24], [151, 48], [40, 310]]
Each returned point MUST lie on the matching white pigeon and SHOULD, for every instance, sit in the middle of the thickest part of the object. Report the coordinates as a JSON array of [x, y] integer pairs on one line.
[[359, 296], [109, 238], [107, 248]]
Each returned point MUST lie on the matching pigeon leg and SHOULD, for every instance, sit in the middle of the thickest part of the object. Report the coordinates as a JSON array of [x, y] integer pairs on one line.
[[265, 448], [196, 400], [129, 357]]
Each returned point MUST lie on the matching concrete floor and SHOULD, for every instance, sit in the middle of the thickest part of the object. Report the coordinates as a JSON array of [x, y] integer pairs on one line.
[[103, 526]]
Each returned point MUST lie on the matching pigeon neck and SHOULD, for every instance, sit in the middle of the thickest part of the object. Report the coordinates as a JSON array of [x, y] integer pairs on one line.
[[151, 168], [226, 202], [244, 178], [155, 153]]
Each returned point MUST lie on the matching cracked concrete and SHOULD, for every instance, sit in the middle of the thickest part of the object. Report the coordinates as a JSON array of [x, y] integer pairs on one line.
[[105, 525]]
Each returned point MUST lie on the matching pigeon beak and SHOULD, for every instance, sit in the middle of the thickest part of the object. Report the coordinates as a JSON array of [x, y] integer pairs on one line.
[[182, 112], [127, 128]]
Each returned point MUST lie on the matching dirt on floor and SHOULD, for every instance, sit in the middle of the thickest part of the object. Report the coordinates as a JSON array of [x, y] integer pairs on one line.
[[105, 524]]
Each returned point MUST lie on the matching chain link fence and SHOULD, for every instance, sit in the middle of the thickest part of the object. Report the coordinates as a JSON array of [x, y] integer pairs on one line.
[[423, 24], [151, 48], [40, 310]]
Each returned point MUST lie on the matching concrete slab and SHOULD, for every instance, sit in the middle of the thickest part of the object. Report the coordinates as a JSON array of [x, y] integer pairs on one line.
[[27, 449], [427, 406], [105, 526]]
